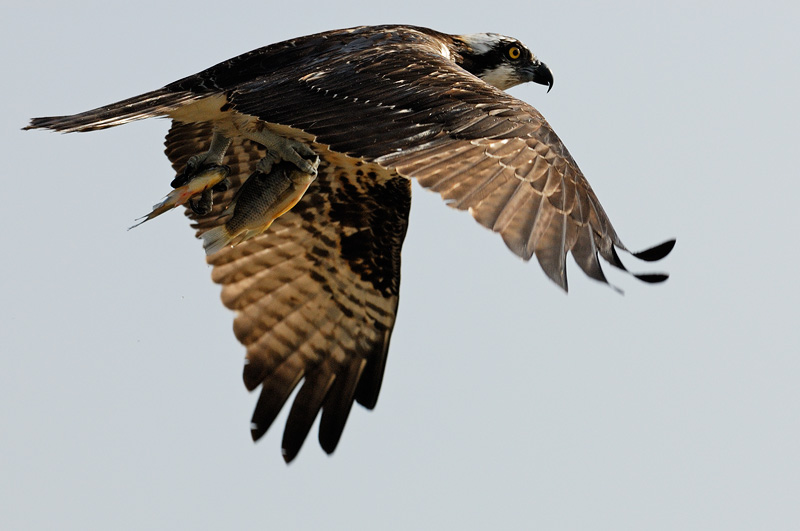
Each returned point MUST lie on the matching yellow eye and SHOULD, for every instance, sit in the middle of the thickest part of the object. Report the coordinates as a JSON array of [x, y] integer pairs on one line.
[[514, 52]]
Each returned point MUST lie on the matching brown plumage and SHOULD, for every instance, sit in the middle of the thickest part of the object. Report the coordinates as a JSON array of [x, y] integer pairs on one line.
[[316, 295]]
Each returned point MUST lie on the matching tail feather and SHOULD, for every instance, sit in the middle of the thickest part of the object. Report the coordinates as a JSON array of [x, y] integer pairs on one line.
[[155, 103]]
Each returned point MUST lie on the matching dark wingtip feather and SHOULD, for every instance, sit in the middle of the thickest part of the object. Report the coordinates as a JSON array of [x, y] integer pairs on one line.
[[331, 426], [652, 278], [338, 404], [369, 386], [304, 410], [274, 393], [254, 372], [289, 455], [656, 253], [256, 432]]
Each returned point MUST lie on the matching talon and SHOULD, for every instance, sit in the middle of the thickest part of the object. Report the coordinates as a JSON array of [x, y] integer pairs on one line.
[[307, 164], [287, 149], [222, 186], [265, 165], [183, 177], [314, 162], [199, 163], [204, 204]]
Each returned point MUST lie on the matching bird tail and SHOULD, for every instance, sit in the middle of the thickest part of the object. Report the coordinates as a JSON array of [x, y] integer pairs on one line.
[[155, 103]]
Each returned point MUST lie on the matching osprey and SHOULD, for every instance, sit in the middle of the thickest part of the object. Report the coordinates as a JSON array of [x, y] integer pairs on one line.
[[362, 111]]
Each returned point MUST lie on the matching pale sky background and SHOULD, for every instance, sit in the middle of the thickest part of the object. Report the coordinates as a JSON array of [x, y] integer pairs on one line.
[[506, 404]]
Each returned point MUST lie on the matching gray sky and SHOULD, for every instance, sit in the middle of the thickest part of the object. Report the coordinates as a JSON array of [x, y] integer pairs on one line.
[[506, 404]]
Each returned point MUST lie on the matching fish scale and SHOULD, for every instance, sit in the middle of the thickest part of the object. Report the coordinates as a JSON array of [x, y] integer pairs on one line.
[[262, 199]]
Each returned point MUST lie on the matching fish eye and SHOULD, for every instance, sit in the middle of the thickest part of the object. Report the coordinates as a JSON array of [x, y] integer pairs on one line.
[[514, 52]]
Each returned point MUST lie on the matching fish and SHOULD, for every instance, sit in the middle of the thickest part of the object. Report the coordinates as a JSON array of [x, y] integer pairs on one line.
[[263, 198], [207, 179]]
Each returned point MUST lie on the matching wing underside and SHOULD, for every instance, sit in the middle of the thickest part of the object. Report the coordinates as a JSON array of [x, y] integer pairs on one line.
[[316, 295]]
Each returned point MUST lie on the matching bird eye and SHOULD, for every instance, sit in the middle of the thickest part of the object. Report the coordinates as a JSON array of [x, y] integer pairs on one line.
[[514, 52]]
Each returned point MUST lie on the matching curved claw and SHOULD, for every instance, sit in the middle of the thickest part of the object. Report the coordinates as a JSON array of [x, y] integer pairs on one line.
[[204, 204], [287, 149], [222, 186], [309, 160], [183, 177], [301, 156]]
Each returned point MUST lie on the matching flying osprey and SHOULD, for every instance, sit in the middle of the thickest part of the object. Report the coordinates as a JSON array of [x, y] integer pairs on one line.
[[356, 114]]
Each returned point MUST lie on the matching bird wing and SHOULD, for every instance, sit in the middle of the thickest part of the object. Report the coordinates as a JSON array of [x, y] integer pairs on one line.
[[410, 108], [316, 295], [394, 95]]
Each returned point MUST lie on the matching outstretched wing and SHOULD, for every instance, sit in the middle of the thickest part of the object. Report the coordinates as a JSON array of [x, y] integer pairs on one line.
[[395, 96], [412, 109], [316, 295]]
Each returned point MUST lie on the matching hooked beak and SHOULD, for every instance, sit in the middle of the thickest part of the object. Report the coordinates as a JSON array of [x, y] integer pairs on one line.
[[539, 73]]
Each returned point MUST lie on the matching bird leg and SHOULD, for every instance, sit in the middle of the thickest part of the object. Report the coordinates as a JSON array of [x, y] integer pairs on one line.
[[197, 163], [199, 168], [282, 148]]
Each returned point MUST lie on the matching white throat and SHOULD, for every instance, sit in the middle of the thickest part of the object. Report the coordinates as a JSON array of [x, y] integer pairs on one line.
[[502, 77]]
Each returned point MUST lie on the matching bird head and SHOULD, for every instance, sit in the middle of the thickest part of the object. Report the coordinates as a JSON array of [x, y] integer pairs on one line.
[[500, 61]]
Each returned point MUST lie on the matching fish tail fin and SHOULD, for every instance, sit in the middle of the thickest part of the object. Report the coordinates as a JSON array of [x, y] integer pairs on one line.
[[216, 239], [173, 199]]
